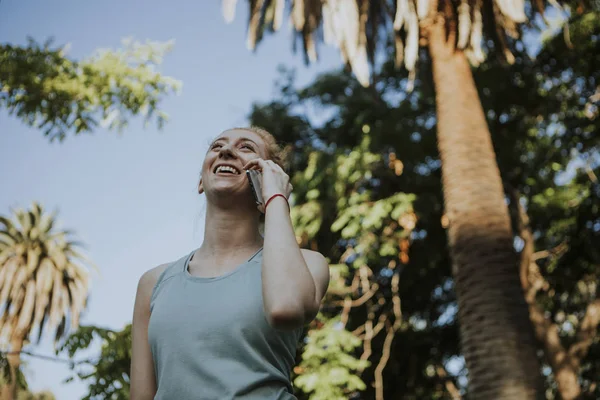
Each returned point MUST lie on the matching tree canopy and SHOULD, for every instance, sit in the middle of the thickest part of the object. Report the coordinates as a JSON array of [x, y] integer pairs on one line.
[[46, 89]]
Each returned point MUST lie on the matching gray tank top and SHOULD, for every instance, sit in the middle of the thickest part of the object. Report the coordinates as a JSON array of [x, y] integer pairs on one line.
[[210, 339]]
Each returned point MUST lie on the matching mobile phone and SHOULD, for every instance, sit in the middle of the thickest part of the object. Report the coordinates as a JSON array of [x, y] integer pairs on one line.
[[254, 178]]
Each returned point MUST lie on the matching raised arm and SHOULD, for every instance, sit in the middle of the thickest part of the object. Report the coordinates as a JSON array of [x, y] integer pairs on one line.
[[294, 280], [142, 378]]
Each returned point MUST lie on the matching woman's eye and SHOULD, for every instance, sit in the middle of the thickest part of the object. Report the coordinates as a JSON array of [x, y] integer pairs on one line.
[[247, 146]]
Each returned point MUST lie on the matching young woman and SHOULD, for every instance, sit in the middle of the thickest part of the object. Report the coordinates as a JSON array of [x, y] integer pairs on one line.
[[223, 322]]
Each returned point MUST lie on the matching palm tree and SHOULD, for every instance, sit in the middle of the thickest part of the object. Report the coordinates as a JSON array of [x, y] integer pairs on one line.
[[496, 334], [43, 283]]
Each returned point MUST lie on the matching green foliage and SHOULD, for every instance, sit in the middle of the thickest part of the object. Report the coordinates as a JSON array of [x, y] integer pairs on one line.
[[327, 369], [5, 376], [45, 395], [108, 375], [45, 89], [23, 392]]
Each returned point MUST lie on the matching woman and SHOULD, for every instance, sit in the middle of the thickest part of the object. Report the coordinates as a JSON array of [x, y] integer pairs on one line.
[[223, 322]]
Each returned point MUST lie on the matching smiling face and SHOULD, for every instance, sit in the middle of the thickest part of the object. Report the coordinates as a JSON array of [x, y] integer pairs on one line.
[[222, 170]]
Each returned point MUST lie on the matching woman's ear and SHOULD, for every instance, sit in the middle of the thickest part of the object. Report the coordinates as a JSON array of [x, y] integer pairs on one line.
[[200, 187]]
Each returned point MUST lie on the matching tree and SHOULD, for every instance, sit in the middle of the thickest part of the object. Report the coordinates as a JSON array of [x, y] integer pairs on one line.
[[45, 89], [558, 222], [107, 375], [24, 393], [497, 339], [43, 283]]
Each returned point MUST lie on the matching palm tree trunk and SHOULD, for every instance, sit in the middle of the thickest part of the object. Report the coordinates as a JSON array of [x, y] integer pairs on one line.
[[9, 391], [496, 334]]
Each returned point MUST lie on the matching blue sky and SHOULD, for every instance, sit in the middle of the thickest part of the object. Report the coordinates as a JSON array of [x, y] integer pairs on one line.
[[131, 198]]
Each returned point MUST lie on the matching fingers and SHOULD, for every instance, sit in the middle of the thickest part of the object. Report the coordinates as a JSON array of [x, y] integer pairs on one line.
[[269, 165], [255, 163], [276, 167], [262, 164]]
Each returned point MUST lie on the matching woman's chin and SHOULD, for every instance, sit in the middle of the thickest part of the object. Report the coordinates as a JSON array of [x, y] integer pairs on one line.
[[228, 194]]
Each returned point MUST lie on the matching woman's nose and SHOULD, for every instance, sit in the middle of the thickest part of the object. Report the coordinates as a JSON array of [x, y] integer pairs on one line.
[[226, 151]]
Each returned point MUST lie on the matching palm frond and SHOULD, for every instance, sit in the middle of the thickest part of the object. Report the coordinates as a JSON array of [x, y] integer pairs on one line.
[[229, 10], [43, 276], [345, 23], [10, 269]]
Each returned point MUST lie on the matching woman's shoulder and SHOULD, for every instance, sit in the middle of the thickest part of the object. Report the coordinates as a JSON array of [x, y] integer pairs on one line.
[[156, 275], [164, 271], [312, 256], [150, 278]]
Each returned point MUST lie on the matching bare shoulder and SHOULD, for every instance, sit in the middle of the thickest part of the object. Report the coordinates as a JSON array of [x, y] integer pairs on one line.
[[314, 257], [150, 277], [319, 269]]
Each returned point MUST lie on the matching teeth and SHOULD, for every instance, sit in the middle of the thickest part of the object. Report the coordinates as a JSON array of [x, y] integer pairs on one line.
[[226, 168]]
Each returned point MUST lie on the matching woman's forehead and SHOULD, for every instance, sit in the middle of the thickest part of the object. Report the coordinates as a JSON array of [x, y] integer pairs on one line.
[[236, 134]]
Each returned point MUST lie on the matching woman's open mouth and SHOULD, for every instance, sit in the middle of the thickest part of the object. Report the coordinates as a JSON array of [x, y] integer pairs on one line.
[[226, 170]]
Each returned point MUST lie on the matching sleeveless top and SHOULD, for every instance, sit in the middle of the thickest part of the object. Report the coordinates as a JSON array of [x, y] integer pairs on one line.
[[210, 338]]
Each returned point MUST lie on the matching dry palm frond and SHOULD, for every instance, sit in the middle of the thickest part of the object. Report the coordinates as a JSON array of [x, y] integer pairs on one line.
[[229, 10], [477, 34], [464, 24], [344, 24], [279, 6], [422, 8], [500, 25], [411, 49], [513, 10], [298, 14], [399, 48], [43, 279], [254, 25]]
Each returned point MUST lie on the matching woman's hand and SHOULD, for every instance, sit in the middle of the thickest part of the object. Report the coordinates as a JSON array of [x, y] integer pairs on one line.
[[274, 179]]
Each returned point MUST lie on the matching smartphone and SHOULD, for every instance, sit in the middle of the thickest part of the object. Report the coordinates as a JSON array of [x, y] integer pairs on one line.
[[254, 178]]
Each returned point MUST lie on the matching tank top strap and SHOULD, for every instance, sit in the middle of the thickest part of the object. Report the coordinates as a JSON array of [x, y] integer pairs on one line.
[[182, 263], [255, 255], [171, 271]]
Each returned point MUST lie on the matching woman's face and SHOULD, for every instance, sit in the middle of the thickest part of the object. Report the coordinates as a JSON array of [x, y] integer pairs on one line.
[[223, 167]]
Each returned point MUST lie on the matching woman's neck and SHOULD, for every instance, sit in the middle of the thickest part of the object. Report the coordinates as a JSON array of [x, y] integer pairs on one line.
[[230, 230]]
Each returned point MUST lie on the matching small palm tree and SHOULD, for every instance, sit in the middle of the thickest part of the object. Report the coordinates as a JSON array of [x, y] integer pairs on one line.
[[43, 283]]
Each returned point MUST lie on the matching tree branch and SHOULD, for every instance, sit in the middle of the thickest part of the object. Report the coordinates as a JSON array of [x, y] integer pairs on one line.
[[565, 363], [385, 356], [448, 382], [50, 358], [587, 331]]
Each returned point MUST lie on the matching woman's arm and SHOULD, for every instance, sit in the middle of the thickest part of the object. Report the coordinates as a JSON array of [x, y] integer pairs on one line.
[[294, 280], [142, 378]]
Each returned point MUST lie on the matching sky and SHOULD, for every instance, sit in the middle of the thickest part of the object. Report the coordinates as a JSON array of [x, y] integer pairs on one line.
[[131, 197]]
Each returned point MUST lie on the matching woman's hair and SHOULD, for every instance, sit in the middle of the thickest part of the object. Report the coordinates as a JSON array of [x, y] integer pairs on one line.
[[275, 152]]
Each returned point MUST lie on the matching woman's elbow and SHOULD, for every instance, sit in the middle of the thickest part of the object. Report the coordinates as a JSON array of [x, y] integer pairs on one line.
[[290, 318]]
